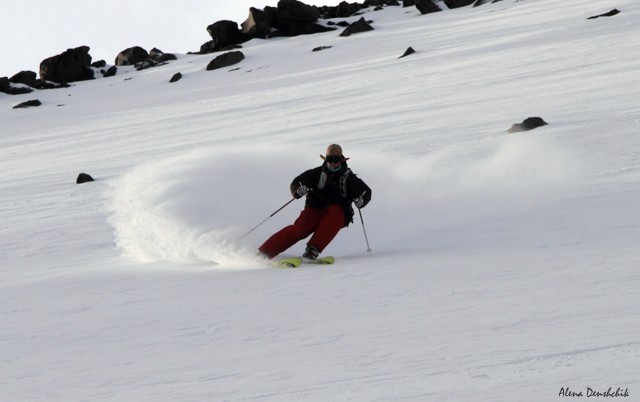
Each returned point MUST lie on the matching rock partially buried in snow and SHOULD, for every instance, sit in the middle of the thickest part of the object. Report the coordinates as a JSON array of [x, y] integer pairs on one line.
[[84, 178], [611, 13], [357, 27], [407, 52], [427, 6], [226, 60], [29, 103], [528, 124], [131, 56]]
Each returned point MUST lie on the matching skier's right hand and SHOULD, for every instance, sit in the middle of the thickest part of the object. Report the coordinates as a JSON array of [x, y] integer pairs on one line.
[[301, 191]]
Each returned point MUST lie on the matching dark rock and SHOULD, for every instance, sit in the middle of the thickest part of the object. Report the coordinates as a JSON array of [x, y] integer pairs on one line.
[[131, 56], [161, 57], [344, 9], [111, 71], [380, 3], [225, 33], [226, 60], [70, 66], [458, 3], [84, 178], [294, 18], [611, 13], [30, 103], [176, 77], [166, 57], [5, 84], [29, 78], [427, 6], [291, 16], [407, 52], [481, 2], [146, 63], [258, 24], [408, 3], [99, 64], [5, 87], [357, 27], [319, 48], [527, 124]]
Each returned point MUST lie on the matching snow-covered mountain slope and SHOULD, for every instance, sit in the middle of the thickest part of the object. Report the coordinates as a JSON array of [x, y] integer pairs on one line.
[[504, 266]]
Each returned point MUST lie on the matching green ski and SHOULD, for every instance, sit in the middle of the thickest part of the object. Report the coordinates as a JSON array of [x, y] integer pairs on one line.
[[320, 260], [293, 262]]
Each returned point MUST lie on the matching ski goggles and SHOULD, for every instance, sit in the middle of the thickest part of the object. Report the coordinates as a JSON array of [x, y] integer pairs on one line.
[[334, 159]]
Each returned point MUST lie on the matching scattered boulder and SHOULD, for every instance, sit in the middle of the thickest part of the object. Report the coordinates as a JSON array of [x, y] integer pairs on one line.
[[111, 71], [344, 9], [71, 66], [611, 13], [319, 48], [146, 63], [225, 33], [7, 88], [458, 3], [527, 124], [226, 60], [29, 78], [176, 77], [131, 56], [427, 6], [161, 57], [407, 52], [357, 27], [84, 178], [29, 103], [481, 2], [293, 17], [99, 64], [5, 84]]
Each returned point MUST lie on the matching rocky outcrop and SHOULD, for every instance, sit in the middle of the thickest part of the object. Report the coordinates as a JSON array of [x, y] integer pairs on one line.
[[71, 66]]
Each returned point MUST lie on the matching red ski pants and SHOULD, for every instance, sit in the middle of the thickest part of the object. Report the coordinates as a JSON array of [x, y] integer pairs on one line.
[[324, 223]]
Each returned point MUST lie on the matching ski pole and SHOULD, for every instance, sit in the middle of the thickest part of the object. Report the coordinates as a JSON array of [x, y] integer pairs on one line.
[[365, 231], [269, 217]]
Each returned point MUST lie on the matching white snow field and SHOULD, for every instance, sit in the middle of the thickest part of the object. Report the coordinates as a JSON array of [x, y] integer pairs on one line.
[[505, 267]]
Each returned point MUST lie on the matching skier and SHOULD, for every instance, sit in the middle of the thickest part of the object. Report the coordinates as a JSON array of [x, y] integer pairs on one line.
[[329, 189]]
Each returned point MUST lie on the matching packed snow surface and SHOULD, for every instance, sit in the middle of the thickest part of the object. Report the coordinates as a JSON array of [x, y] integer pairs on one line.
[[504, 266]]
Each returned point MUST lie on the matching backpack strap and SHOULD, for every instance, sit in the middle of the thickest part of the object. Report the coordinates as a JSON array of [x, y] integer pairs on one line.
[[322, 181], [343, 182]]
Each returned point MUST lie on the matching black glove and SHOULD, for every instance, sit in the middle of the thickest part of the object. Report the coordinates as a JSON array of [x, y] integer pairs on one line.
[[302, 191], [359, 202]]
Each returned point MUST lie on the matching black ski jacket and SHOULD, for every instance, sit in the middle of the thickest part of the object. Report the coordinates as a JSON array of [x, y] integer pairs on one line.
[[328, 188]]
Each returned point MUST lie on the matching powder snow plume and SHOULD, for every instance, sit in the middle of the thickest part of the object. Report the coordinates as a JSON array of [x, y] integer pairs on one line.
[[179, 209]]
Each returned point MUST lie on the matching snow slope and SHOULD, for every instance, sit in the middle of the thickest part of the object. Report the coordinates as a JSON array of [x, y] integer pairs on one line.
[[504, 267]]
